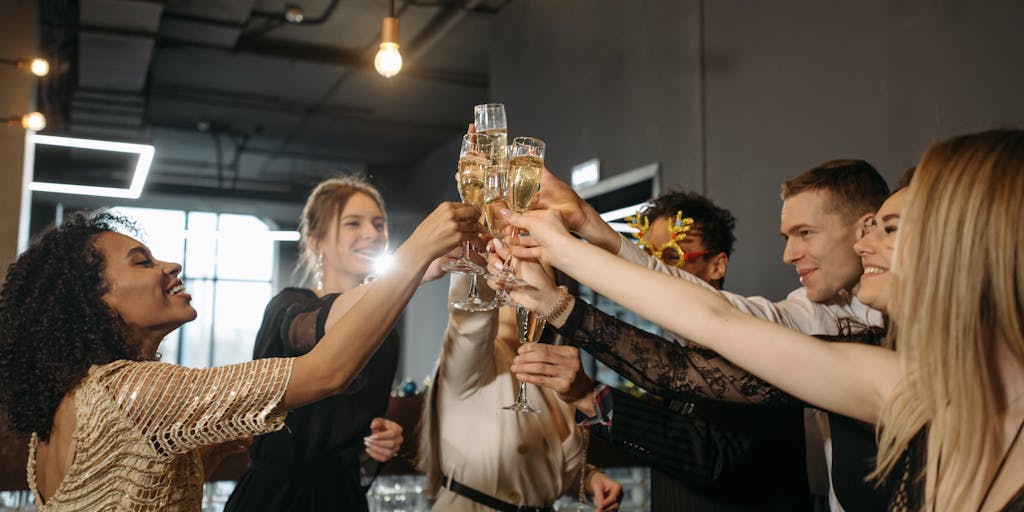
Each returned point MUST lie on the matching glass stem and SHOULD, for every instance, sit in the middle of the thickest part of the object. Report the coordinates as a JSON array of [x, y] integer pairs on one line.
[[473, 295], [515, 241]]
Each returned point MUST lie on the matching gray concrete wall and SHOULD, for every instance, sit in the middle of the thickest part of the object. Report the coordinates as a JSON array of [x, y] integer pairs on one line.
[[733, 97], [606, 79], [791, 84]]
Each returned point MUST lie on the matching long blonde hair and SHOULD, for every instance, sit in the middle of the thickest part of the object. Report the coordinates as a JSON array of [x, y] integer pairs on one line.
[[958, 294]]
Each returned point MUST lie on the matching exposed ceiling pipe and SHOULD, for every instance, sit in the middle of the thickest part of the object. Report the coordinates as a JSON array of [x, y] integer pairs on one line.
[[286, 50], [305, 21], [437, 28]]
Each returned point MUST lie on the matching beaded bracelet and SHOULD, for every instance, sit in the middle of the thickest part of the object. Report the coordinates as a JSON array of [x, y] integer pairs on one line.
[[559, 307]]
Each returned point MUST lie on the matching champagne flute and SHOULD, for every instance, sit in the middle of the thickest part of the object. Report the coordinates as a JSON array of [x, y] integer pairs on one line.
[[495, 200], [529, 325], [526, 160], [478, 150], [490, 118], [471, 189]]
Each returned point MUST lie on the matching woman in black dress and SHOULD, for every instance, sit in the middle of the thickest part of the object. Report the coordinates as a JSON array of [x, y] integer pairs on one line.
[[315, 462]]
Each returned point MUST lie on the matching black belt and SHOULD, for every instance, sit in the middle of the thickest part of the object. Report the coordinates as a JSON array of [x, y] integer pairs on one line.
[[486, 499]]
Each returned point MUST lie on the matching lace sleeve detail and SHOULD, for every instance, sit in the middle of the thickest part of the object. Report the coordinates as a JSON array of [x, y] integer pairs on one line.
[[666, 369], [304, 324], [180, 409]]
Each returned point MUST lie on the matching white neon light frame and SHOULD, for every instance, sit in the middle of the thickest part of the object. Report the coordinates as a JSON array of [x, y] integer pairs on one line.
[[273, 235], [145, 152]]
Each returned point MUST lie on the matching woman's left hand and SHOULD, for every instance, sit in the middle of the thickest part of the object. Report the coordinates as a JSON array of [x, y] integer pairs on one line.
[[385, 439], [606, 493]]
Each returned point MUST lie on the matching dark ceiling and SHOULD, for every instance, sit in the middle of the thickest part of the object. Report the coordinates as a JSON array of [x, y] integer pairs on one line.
[[240, 102]]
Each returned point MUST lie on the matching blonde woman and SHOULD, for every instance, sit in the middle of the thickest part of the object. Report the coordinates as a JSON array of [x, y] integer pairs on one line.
[[950, 402], [315, 464]]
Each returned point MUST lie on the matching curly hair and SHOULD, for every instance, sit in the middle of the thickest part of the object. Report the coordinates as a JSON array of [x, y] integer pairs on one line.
[[716, 224], [54, 324]]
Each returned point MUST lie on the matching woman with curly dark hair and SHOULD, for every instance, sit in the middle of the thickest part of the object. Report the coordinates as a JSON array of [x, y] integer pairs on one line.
[[81, 315]]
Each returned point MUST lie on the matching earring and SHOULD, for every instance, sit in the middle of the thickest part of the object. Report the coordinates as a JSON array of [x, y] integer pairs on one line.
[[318, 272]]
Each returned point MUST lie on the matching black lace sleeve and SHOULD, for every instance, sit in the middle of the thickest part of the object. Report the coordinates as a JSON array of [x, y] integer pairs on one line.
[[304, 324], [293, 322], [662, 367]]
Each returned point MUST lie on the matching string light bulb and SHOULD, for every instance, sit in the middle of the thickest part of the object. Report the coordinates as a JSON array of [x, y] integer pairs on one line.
[[38, 67], [34, 121], [388, 61]]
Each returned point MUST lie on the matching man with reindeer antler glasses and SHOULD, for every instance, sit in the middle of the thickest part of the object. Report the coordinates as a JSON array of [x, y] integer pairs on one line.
[[677, 241]]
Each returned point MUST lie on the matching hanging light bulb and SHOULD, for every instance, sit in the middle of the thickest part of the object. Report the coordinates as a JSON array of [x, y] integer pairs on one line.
[[39, 67], [34, 121], [388, 60]]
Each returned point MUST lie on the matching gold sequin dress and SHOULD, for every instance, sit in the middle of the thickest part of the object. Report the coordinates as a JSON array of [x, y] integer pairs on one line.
[[139, 424]]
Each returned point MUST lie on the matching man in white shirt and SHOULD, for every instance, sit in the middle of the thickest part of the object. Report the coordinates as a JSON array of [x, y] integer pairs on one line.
[[823, 214]]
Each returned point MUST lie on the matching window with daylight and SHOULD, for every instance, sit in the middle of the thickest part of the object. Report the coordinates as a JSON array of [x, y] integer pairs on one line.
[[228, 267]]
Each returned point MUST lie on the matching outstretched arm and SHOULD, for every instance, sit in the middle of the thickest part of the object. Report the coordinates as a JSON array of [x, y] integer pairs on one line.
[[577, 215], [352, 340], [467, 353], [853, 380], [669, 370]]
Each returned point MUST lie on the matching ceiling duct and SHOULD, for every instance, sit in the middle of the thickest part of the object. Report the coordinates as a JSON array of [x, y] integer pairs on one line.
[[113, 63]]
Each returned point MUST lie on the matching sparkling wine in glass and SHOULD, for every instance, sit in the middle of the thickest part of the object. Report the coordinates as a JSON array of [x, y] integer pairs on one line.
[[490, 118], [529, 326], [495, 200], [478, 151], [471, 188], [526, 160]]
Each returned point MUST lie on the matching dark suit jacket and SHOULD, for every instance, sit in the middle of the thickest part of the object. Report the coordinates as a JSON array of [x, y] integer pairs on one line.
[[714, 456]]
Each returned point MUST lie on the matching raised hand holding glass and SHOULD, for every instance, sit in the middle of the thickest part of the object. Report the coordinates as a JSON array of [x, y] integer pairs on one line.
[[477, 151], [526, 160]]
